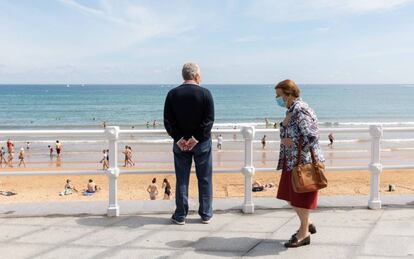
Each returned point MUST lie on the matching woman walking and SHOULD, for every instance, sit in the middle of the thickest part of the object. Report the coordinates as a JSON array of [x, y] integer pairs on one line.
[[21, 158], [104, 161], [129, 156], [58, 147], [299, 127]]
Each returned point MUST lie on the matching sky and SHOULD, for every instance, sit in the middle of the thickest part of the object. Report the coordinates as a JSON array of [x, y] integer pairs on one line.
[[251, 42]]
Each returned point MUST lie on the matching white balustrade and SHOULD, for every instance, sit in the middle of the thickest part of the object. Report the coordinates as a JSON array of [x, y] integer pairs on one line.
[[113, 134]]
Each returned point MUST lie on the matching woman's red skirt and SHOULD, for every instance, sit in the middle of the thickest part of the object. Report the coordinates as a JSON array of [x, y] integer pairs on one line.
[[285, 192]]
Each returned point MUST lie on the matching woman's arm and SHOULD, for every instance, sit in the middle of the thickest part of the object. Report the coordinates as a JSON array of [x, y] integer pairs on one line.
[[308, 129]]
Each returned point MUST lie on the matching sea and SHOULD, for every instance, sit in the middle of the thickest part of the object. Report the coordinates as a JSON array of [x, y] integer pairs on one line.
[[88, 106]]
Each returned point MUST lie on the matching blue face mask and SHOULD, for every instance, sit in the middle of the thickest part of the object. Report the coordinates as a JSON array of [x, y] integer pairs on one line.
[[280, 102]]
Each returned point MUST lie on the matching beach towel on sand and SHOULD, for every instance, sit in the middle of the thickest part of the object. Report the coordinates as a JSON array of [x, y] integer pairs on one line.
[[7, 193], [88, 193]]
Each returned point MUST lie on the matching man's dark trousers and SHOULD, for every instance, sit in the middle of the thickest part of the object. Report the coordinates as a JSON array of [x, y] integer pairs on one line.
[[204, 170]]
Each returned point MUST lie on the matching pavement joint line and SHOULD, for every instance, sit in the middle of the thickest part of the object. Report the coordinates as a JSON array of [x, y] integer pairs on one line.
[[348, 227], [88, 246], [212, 232], [363, 240], [62, 244], [114, 249], [382, 235], [334, 244], [42, 228], [262, 241], [388, 256]]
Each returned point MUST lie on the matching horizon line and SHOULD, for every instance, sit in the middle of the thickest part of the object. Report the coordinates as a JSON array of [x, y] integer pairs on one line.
[[143, 84]]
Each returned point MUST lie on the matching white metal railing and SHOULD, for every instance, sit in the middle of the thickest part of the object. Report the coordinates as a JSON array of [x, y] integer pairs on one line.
[[113, 135]]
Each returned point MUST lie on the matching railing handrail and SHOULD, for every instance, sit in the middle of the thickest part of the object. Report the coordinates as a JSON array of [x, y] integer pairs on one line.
[[100, 132], [51, 132]]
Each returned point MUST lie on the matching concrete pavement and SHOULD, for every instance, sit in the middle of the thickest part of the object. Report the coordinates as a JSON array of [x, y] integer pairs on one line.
[[347, 232]]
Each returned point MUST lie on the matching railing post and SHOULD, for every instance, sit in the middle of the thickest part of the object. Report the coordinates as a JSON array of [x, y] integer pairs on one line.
[[375, 166], [112, 134], [248, 169]]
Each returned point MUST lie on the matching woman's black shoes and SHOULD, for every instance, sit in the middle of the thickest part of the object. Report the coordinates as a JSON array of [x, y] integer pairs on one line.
[[312, 230], [293, 242]]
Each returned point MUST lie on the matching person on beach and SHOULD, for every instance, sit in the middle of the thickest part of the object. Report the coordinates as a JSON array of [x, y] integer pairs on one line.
[[275, 125], [152, 189], [219, 142], [10, 158], [331, 140], [128, 157], [104, 160], [3, 157], [264, 142], [68, 189], [50, 151], [28, 145], [130, 154], [154, 123], [299, 127], [267, 123], [10, 146], [21, 158], [58, 147], [125, 152], [91, 187], [167, 189], [258, 186], [188, 119], [107, 157], [148, 124]]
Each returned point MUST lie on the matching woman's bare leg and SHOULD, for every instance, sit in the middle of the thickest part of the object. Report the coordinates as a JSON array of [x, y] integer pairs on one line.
[[303, 215]]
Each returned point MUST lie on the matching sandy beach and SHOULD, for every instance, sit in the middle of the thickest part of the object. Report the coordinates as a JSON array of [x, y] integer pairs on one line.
[[132, 187]]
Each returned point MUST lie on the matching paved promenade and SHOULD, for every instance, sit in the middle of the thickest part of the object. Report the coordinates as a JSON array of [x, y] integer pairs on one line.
[[343, 232]]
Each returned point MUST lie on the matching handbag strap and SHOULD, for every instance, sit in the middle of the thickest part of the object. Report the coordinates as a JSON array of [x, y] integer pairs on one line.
[[313, 155], [299, 155]]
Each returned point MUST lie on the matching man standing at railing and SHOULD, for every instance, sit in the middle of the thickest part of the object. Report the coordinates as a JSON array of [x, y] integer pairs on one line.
[[188, 119]]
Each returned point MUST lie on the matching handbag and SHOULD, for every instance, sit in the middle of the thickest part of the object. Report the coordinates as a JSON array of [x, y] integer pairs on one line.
[[308, 177]]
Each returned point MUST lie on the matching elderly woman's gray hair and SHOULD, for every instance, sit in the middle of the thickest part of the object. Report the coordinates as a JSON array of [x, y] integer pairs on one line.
[[190, 70]]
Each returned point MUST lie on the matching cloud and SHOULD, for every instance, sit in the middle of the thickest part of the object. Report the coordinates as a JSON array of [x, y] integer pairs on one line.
[[323, 29], [138, 18], [95, 31], [247, 39], [362, 6], [302, 10]]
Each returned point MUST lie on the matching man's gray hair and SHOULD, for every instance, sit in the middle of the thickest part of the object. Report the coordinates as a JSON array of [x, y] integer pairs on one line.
[[190, 70]]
